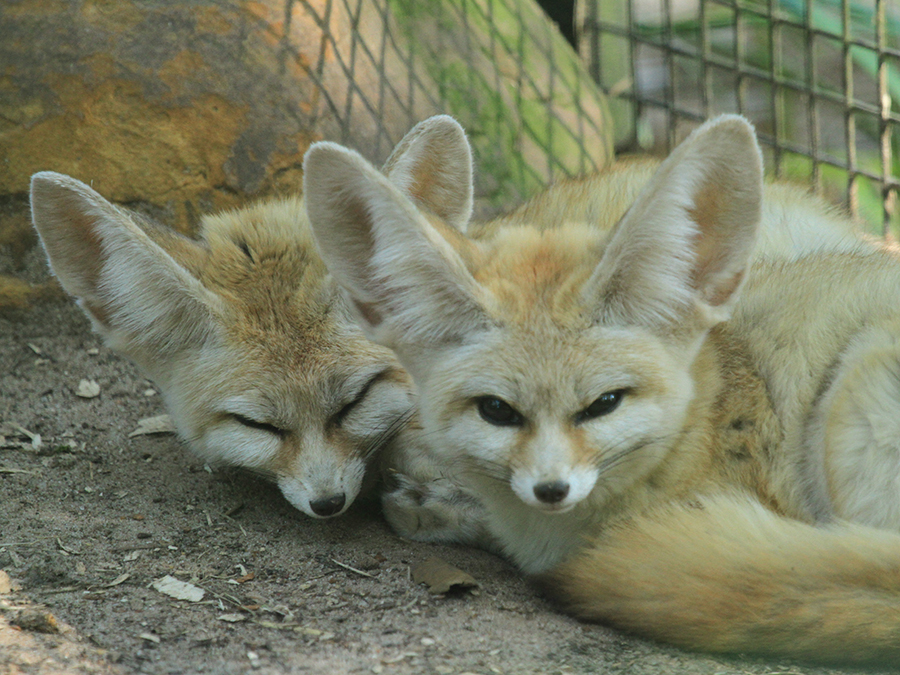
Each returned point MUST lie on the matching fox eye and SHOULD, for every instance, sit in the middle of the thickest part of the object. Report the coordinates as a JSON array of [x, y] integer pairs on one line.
[[604, 405], [341, 414], [498, 412], [262, 426]]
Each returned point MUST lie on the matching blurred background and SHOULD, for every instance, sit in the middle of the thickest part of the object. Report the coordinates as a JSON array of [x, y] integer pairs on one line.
[[180, 108], [820, 79]]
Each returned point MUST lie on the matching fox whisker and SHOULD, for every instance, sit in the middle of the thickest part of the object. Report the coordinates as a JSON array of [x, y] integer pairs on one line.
[[486, 467], [377, 442], [605, 462]]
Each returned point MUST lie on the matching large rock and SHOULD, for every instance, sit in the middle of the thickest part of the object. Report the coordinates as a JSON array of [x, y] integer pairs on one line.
[[195, 105]]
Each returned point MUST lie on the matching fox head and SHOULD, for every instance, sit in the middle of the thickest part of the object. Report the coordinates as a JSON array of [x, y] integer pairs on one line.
[[556, 358], [247, 337]]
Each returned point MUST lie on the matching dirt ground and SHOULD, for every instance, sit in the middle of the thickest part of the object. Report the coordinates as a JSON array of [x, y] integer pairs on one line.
[[91, 518]]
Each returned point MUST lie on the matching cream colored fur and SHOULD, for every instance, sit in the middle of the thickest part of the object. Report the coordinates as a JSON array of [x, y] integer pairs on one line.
[[668, 392], [247, 337]]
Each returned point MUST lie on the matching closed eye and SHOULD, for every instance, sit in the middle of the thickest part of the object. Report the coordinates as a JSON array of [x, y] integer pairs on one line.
[[256, 424], [341, 414]]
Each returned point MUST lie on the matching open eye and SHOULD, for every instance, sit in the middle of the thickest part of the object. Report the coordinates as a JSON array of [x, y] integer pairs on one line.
[[604, 405], [262, 426], [498, 412]]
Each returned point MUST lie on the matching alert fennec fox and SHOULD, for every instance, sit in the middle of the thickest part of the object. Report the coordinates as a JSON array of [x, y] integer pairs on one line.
[[674, 435], [242, 330]]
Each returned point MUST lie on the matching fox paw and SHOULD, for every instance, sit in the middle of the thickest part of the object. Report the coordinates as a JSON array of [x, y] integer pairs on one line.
[[436, 510]]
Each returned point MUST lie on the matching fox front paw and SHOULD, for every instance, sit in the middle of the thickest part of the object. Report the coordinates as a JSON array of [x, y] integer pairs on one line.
[[436, 510]]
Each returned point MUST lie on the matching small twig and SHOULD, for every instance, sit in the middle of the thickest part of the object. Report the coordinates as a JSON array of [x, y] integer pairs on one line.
[[138, 547], [222, 596], [352, 569], [6, 469], [232, 520], [23, 431], [326, 573], [235, 510], [54, 591]]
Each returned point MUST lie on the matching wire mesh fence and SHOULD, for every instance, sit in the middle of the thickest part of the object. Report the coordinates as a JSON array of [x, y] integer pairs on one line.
[[499, 66], [819, 78]]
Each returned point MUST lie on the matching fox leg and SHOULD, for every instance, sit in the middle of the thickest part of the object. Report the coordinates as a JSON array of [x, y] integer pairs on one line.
[[856, 428], [434, 510], [725, 574], [422, 502]]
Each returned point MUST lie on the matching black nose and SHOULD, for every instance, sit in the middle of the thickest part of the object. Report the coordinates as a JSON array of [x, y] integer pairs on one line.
[[551, 493], [328, 506]]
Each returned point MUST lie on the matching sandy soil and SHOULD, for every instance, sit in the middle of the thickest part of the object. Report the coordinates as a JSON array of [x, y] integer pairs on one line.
[[91, 518]]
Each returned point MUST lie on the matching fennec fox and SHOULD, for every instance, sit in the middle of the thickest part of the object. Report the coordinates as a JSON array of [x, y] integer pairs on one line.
[[242, 330], [674, 435]]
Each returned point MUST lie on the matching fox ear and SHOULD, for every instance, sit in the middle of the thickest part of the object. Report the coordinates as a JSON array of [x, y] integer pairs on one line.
[[688, 239], [136, 295], [432, 165], [403, 278]]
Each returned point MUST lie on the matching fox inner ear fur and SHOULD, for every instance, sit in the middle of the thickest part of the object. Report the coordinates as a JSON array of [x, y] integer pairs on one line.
[[686, 243], [136, 295], [432, 165], [404, 280]]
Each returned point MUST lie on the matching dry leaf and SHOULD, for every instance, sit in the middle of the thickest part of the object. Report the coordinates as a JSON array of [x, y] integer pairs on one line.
[[5, 583], [88, 389], [232, 618], [161, 424], [150, 637], [63, 547], [122, 578], [180, 590], [441, 577], [37, 620], [247, 577]]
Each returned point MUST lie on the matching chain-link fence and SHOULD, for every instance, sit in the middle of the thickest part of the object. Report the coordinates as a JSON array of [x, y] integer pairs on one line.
[[499, 66], [819, 78]]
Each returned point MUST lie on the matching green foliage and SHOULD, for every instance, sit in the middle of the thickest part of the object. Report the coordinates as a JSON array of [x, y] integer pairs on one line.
[[532, 112]]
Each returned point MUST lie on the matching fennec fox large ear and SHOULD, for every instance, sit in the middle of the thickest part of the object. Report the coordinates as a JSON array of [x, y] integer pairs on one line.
[[401, 275], [686, 242], [136, 295], [432, 165]]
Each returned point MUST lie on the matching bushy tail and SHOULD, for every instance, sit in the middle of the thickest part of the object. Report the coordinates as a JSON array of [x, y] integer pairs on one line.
[[727, 575]]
